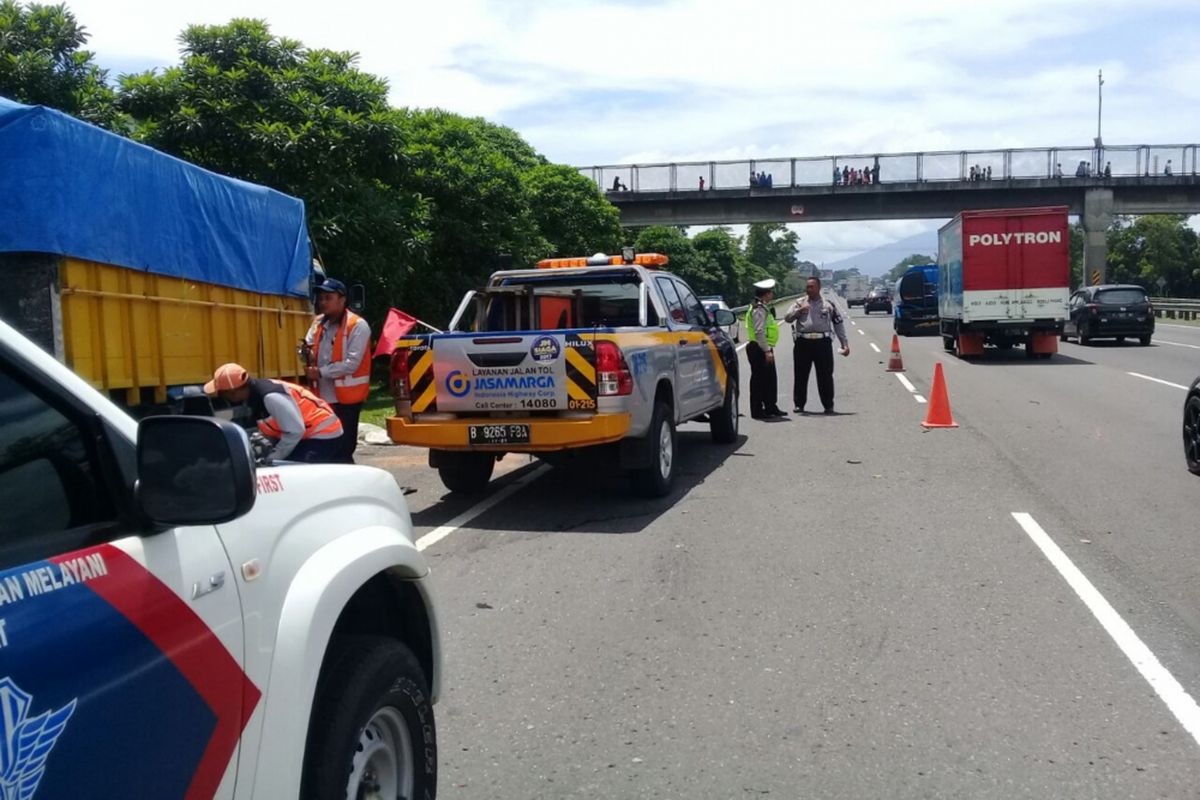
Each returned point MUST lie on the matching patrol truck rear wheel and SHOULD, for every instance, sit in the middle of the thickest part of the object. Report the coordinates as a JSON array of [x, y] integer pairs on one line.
[[724, 421], [468, 473], [656, 480], [372, 731]]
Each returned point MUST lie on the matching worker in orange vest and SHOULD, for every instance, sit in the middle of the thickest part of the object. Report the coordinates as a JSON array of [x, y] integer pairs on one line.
[[341, 343], [301, 425]]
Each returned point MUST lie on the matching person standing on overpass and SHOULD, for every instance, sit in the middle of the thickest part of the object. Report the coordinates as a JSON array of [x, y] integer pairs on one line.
[[764, 334], [815, 320], [340, 341]]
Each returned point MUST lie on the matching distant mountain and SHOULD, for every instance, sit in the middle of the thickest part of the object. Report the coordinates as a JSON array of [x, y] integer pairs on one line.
[[878, 261]]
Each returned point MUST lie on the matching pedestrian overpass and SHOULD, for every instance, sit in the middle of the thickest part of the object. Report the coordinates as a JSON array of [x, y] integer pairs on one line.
[[913, 186]]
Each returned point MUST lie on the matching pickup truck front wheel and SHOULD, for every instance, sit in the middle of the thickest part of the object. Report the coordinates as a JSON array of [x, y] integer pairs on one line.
[[468, 473], [656, 480], [372, 731], [724, 420]]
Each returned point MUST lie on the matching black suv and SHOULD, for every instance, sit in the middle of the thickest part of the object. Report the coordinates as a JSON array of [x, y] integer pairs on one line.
[[878, 300], [1111, 311]]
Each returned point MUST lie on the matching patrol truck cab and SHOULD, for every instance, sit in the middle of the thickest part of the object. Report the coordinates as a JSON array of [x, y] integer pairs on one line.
[[175, 622], [604, 354]]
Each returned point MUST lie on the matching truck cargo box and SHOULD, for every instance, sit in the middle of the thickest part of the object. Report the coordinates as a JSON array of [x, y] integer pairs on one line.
[[1004, 279], [139, 270]]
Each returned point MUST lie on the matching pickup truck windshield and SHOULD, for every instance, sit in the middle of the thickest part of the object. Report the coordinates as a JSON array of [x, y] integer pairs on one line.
[[558, 302]]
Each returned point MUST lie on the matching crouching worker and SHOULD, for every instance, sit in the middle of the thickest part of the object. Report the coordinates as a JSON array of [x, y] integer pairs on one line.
[[301, 425]]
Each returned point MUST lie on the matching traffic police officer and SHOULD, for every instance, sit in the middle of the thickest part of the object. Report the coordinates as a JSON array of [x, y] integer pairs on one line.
[[341, 375], [764, 334], [815, 320], [301, 425]]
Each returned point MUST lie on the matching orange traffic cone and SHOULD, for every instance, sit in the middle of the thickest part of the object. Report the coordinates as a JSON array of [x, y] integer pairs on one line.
[[939, 415], [895, 363]]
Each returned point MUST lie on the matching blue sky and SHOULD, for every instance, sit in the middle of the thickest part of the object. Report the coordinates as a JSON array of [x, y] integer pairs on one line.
[[615, 82]]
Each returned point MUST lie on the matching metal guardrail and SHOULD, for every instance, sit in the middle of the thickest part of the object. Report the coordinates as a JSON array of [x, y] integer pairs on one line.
[[1125, 161], [1176, 308]]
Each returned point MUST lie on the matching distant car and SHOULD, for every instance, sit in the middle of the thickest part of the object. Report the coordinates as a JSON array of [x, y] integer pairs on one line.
[[878, 300], [711, 304], [1191, 428], [1111, 311]]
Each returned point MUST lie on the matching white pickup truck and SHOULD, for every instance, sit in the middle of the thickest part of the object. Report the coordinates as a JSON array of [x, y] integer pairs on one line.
[[177, 623]]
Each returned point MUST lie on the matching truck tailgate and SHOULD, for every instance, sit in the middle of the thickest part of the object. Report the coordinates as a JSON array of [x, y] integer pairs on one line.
[[504, 373]]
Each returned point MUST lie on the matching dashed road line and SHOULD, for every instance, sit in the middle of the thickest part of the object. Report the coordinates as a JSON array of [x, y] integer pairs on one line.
[[1178, 701], [437, 534], [1157, 380], [1177, 344], [875, 347], [907, 384], [860, 330]]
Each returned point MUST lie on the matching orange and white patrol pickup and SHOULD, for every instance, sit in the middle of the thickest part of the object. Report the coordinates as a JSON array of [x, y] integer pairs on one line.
[[606, 354], [175, 623]]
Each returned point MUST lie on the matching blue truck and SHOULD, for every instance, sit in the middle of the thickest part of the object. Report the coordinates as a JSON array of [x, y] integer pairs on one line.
[[915, 301]]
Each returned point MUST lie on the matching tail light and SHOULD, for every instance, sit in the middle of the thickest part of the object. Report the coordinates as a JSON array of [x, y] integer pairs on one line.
[[612, 372], [1093, 309], [399, 374]]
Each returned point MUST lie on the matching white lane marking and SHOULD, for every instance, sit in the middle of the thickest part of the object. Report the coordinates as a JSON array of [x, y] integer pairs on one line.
[[1178, 701], [1157, 380], [860, 330], [907, 384], [1177, 344], [1173, 325], [437, 534], [875, 347], [855, 324]]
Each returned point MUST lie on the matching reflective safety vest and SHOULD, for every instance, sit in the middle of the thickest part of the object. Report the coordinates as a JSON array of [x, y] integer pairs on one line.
[[319, 419], [772, 326], [355, 387]]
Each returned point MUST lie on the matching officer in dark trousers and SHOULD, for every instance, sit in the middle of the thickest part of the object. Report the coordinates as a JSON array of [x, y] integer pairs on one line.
[[815, 321], [763, 331]]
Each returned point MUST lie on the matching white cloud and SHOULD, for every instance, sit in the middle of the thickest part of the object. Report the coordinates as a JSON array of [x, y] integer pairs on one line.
[[681, 80]]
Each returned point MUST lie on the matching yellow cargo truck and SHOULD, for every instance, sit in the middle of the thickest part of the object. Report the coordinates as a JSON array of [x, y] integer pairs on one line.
[[140, 271]]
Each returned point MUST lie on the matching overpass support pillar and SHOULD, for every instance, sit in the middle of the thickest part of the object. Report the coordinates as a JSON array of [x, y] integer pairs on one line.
[[1097, 217]]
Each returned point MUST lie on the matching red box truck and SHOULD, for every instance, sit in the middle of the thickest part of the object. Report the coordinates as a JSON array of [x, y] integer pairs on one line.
[[1004, 279]]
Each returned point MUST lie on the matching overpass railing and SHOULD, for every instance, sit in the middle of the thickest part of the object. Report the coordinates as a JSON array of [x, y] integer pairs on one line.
[[933, 167]]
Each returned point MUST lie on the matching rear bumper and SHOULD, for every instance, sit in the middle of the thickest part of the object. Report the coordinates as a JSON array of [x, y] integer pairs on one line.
[[1101, 330], [545, 433]]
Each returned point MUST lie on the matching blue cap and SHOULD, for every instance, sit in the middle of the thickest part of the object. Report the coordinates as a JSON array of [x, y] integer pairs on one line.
[[332, 285]]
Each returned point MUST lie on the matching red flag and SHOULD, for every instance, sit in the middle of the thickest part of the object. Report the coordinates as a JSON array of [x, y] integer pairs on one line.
[[395, 327]]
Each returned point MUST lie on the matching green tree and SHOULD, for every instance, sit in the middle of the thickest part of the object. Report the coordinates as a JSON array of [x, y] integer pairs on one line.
[[571, 212], [472, 173], [1075, 249], [1143, 249], [673, 242], [727, 270], [895, 272], [42, 62], [307, 122], [772, 246]]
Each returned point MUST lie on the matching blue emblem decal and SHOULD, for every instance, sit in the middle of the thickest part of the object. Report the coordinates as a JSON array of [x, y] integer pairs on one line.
[[27, 742], [544, 348], [458, 384]]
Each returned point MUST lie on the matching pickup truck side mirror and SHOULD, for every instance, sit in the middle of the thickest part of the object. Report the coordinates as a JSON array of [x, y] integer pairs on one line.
[[193, 471], [723, 317]]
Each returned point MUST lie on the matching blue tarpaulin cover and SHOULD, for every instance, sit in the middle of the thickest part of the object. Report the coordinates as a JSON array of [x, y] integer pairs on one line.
[[70, 188]]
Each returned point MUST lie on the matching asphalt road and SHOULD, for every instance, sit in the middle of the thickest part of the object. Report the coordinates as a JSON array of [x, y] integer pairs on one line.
[[843, 606]]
